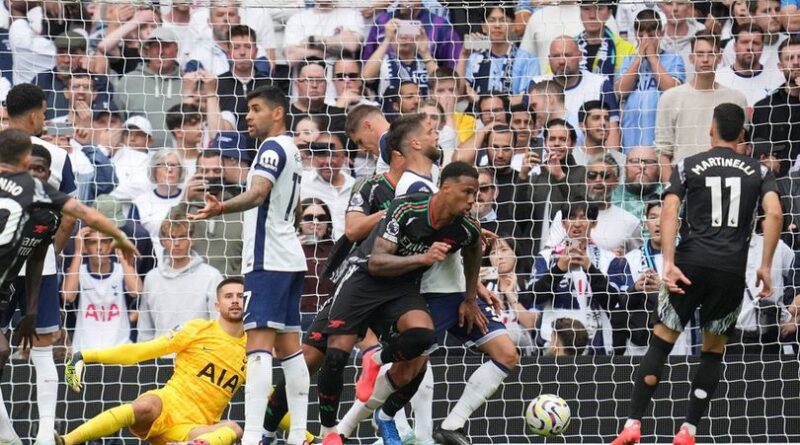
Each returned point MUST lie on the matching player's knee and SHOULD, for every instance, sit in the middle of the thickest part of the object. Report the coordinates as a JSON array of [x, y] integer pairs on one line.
[[507, 356], [418, 340], [651, 380], [146, 410], [5, 353], [336, 359]]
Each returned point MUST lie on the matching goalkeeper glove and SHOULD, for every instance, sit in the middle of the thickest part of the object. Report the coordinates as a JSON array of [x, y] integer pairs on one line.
[[73, 372]]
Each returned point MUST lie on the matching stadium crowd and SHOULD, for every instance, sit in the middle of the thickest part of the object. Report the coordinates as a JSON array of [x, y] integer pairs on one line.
[[591, 101]]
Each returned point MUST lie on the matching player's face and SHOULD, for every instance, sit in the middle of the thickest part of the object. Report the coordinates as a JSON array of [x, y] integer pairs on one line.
[[653, 223], [37, 119], [260, 118], [230, 302], [460, 194], [503, 257], [38, 168], [428, 138]]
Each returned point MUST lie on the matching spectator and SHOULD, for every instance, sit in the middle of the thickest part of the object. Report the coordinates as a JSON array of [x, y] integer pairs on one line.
[[546, 102], [642, 182], [791, 15], [644, 77], [491, 111], [680, 29], [326, 30], [188, 33], [502, 279], [568, 338], [447, 134], [615, 229], [181, 288], [33, 52], [185, 124], [316, 237], [545, 25], [306, 131], [70, 58], [115, 211], [443, 88], [400, 57], [570, 280], [103, 284], [155, 86], [242, 76], [219, 239], [684, 112], [312, 85], [502, 68], [747, 74], [121, 43], [130, 161], [328, 181], [405, 100], [212, 54], [444, 41], [522, 122], [235, 160], [774, 116], [582, 86], [595, 123], [167, 177], [79, 93], [603, 50], [627, 10], [766, 14], [106, 127], [348, 84]]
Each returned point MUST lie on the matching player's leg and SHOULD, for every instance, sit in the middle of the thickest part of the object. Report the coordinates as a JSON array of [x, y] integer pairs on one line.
[[222, 433], [293, 363], [48, 322], [385, 416], [139, 416], [330, 380], [369, 346]]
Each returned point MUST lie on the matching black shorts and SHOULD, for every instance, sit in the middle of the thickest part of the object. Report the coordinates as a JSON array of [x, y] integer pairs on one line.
[[315, 336], [361, 301], [718, 294]]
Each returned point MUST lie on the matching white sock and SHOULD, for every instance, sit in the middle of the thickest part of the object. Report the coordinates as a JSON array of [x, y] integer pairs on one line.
[[481, 385], [298, 381], [256, 395], [383, 416], [7, 433], [383, 389], [46, 391], [325, 430], [692, 428], [355, 415], [401, 421], [422, 407], [376, 357]]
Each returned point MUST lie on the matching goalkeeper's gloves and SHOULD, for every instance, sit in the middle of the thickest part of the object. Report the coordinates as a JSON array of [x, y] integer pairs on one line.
[[73, 372]]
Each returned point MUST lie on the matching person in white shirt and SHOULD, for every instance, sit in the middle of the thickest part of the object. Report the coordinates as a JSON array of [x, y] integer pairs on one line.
[[327, 180], [767, 15], [595, 124], [166, 181], [130, 161], [181, 288], [100, 282], [545, 25], [33, 53], [326, 29], [748, 74], [211, 54]]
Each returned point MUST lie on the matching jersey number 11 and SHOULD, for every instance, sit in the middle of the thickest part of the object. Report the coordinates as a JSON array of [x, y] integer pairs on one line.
[[735, 186]]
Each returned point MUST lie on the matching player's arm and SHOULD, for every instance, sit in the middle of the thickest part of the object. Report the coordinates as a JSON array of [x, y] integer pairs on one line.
[[64, 233], [26, 328], [357, 225], [772, 224], [669, 227], [97, 221], [469, 313], [254, 196], [384, 263]]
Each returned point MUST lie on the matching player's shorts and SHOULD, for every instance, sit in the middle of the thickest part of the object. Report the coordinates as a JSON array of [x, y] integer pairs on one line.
[[272, 300], [361, 301], [315, 335], [170, 426], [48, 317], [444, 310], [718, 294]]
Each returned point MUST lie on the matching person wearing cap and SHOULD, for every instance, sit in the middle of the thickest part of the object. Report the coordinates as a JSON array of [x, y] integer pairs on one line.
[[156, 85], [235, 158], [130, 160], [603, 50], [328, 180], [107, 126], [70, 58]]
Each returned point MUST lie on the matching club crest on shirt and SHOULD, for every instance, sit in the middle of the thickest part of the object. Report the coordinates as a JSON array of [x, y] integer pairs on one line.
[[357, 200], [269, 159]]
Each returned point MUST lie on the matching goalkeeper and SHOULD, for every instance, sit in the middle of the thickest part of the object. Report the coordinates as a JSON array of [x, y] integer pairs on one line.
[[209, 370]]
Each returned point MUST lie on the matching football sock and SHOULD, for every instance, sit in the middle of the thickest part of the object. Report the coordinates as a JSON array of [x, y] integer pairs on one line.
[[330, 381], [703, 386], [102, 425], [401, 422], [480, 386], [399, 398], [256, 395], [384, 387], [297, 395], [277, 408], [359, 411], [7, 433], [408, 345], [221, 436], [422, 407], [650, 368], [46, 391]]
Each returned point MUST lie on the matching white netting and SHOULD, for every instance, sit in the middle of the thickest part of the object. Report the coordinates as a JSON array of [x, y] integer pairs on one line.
[[150, 104]]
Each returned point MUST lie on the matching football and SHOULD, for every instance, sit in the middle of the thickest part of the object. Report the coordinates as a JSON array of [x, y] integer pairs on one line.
[[548, 415]]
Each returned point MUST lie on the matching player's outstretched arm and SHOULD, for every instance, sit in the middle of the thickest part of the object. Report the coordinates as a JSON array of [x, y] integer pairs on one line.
[[97, 221], [127, 354], [254, 196], [772, 225]]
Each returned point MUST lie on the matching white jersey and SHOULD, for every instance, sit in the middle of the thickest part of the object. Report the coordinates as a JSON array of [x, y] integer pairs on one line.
[[444, 277], [102, 318], [638, 261], [270, 239], [62, 178]]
